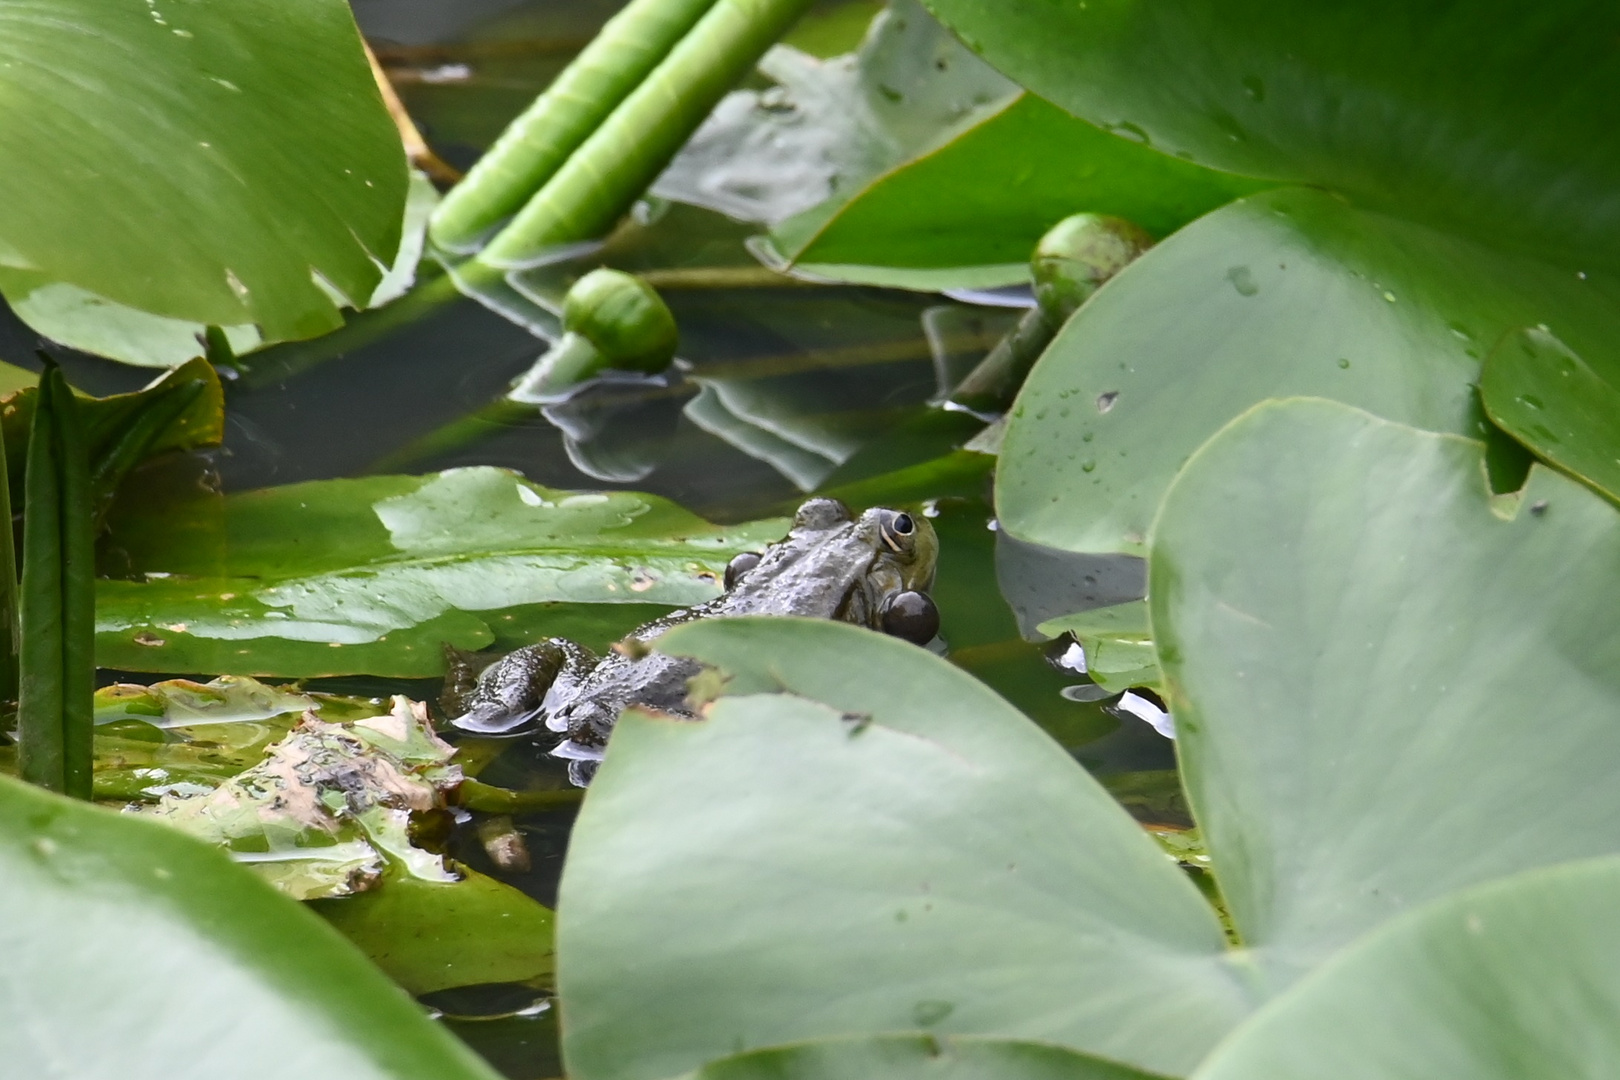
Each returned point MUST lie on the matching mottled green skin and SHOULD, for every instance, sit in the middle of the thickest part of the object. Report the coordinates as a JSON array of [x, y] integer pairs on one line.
[[830, 566]]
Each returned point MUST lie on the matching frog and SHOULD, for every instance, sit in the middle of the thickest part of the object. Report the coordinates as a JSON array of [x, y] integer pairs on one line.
[[874, 570]]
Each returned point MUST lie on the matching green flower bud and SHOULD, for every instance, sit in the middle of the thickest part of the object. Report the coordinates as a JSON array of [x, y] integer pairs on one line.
[[1077, 255]]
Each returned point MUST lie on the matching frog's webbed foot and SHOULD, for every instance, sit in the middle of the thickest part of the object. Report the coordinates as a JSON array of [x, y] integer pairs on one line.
[[461, 671], [513, 692]]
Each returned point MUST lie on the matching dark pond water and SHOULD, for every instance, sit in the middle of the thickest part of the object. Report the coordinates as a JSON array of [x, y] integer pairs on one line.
[[804, 389]]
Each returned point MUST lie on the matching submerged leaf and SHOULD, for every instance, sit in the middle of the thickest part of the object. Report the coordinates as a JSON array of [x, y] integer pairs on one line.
[[329, 804]]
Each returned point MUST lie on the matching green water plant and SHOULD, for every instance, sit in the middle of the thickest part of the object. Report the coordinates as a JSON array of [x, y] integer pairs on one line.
[[471, 557], [209, 163], [1072, 261], [611, 168], [536, 144], [1383, 279], [56, 672], [1321, 581], [611, 321], [145, 954]]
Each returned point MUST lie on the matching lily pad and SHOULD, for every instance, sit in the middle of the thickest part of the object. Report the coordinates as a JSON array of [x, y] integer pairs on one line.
[[403, 565], [1492, 119], [1516, 978], [865, 804], [985, 194], [915, 1057], [1116, 642], [1558, 402], [1332, 598], [330, 804], [82, 320], [151, 158], [435, 935], [1290, 292], [136, 952]]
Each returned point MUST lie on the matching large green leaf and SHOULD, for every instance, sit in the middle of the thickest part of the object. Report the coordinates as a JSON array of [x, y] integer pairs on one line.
[[915, 1057], [1381, 692], [916, 855], [195, 160], [1381, 697], [433, 935], [1290, 292], [1491, 117], [78, 318], [374, 575], [1560, 403], [985, 195], [135, 952], [1514, 979]]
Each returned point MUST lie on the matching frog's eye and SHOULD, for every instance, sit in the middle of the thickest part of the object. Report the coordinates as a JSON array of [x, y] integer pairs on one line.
[[911, 616], [896, 531], [738, 566]]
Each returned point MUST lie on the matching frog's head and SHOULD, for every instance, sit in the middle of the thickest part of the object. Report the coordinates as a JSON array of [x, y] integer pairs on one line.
[[874, 570]]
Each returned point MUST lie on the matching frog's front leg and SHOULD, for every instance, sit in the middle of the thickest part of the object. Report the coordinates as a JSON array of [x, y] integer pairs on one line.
[[515, 690]]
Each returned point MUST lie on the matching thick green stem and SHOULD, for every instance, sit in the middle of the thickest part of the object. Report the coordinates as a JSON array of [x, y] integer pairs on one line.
[[57, 670], [10, 620], [569, 362], [535, 145], [994, 382], [77, 518], [626, 153]]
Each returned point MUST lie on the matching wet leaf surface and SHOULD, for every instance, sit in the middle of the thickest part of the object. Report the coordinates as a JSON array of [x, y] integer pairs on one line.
[[150, 164], [1285, 293], [136, 952], [82, 320], [330, 805], [1490, 119], [431, 935], [1558, 402], [374, 575]]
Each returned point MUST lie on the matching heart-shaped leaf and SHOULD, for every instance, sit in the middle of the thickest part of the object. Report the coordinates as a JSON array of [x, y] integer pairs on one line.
[[1381, 695]]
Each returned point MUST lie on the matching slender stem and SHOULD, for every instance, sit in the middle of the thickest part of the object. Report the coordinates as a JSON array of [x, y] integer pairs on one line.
[[40, 753], [10, 624], [77, 520], [416, 148], [597, 184], [536, 144]]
